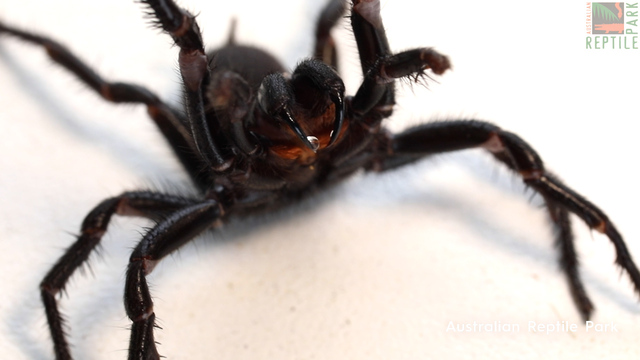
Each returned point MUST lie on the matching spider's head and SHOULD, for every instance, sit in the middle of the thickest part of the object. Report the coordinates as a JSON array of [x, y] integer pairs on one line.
[[303, 113]]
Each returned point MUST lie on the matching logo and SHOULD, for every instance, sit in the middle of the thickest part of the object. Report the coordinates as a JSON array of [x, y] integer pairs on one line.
[[612, 26], [608, 18]]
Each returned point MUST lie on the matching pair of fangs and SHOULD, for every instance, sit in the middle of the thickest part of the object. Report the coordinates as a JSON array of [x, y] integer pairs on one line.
[[311, 141]]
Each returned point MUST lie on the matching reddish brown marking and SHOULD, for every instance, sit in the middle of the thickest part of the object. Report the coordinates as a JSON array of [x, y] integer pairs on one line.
[[601, 227], [383, 78], [49, 49], [93, 232], [148, 265], [287, 145], [494, 144], [153, 111], [292, 152], [52, 50], [531, 174], [49, 289], [124, 209], [438, 63], [184, 27], [105, 91], [370, 11]]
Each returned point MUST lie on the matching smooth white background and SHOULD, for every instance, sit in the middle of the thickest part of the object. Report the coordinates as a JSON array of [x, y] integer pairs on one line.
[[374, 269]]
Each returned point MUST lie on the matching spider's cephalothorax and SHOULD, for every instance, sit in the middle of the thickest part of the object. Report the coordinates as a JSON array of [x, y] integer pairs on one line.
[[254, 137], [271, 116]]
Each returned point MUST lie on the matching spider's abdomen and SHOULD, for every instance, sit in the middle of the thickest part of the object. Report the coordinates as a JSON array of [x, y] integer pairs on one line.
[[251, 63]]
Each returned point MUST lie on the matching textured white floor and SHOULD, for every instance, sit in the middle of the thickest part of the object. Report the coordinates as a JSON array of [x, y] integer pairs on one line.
[[376, 268]]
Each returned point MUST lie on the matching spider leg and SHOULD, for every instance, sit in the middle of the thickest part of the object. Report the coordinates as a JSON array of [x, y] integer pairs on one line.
[[569, 258], [508, 148], [373, 45], [374, 92], [376, 96], [169, 121], [325, 48], [144, 203], [194, 69], [564, 241], [175, 230], [368, 30]]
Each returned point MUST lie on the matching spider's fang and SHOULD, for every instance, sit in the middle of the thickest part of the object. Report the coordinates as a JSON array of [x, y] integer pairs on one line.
[[293, 125], [339, 118]]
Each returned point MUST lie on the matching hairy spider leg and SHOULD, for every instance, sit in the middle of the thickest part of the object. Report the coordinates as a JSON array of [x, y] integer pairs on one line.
[[375, 97], [367, 145], [568, 257], [195, 73], [167, 236], [373, 46], [142, 203], [374, 101], [170, 122], [325, 47], [510, 149]]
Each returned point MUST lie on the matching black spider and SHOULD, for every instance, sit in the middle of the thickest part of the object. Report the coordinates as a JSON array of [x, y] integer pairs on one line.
[[254, 138]]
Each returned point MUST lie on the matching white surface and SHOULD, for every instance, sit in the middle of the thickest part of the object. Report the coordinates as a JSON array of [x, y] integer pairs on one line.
[[375, 269]]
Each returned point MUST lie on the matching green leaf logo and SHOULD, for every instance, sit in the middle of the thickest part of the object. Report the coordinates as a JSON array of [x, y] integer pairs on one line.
[[603, 12]]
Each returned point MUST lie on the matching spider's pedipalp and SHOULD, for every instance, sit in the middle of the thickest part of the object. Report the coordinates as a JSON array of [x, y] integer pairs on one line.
[[325, 47], [232, 99]]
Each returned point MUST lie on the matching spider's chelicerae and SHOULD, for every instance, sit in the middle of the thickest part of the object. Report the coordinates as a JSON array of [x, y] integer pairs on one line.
[[254, 137]]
